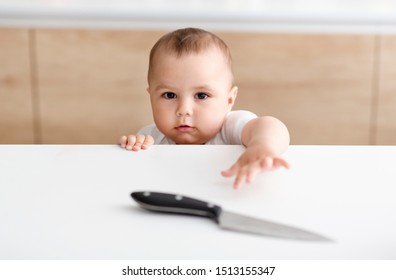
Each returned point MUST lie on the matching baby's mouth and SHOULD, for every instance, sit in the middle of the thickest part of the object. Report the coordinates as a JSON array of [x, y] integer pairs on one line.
[[184, 128]]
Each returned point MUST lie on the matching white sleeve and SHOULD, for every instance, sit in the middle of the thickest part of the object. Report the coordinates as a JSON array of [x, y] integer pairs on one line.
[[233, 126]]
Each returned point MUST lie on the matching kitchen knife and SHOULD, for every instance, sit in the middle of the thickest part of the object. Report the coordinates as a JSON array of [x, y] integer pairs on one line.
[[178, 204]]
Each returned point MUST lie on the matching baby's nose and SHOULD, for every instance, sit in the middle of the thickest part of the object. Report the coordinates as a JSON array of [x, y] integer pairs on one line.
[[184, 109]]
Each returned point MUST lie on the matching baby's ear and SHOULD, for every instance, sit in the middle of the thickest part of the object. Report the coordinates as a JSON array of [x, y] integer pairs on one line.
[[232, 95]]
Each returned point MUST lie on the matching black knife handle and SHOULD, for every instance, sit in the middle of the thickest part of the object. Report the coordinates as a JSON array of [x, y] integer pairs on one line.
[[178, 204]]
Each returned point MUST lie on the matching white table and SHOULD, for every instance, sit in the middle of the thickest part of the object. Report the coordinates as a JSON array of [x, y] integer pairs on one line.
[[73, 202]]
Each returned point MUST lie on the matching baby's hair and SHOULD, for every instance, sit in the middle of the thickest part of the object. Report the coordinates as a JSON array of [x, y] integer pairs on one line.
[[187, 41]]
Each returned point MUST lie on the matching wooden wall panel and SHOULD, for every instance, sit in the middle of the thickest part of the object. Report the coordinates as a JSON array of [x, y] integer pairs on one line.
[[386, 129], [16, 118], [93, 84], [319, 85]]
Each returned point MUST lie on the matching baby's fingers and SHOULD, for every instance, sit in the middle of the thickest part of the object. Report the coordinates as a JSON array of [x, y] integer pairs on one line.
[[231, 171], [139, 140], [131, 140], [136, 142], [239, 180], [247, 174], [273, 163], [280, 162], [252, 173], [148, 141], [267, 163], [123, 141]]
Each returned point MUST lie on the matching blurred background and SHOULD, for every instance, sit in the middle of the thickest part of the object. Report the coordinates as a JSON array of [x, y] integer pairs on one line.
[[74, 72]]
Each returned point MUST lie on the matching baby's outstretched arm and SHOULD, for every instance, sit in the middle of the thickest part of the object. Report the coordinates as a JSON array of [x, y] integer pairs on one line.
[[136, 142], [265, 138]]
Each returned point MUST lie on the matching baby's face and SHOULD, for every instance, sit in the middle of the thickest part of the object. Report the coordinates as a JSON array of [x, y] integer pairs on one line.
[[191, 95]]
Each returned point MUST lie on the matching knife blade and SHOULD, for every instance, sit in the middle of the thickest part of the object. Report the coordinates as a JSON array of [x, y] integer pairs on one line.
[[179, 204]]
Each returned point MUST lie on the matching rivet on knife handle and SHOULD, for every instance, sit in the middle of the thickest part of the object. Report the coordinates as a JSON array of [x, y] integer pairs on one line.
[[172, 203]]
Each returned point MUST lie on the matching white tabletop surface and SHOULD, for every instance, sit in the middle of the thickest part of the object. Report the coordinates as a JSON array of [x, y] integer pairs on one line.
[[73, 202], [255, 15]]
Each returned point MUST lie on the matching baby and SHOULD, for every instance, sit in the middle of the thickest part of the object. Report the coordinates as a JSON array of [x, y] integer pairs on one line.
[[192, 92]]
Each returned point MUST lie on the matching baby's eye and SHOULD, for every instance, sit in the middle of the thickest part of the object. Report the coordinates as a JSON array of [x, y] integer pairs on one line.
[[201, 95], [169, 95]]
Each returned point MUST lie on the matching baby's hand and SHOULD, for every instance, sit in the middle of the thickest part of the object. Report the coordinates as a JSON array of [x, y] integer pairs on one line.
[[250, 163], [136, 142]]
